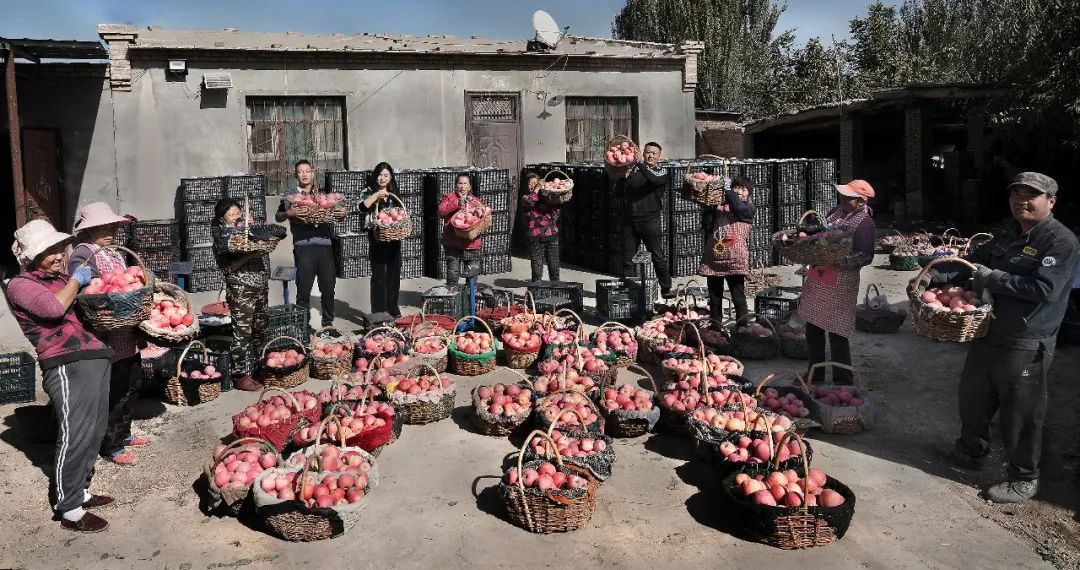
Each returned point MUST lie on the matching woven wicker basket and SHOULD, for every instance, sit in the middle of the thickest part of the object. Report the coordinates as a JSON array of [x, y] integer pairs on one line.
[[232, 500], [488, 424], [705, 192], [283, 378], [401, 346], [430, 330], [326, 367], [624, 423], [396, 232], [315, 215], [672, 372], [815, 252], [626, 356], [557, 197], [877, 321], [473, 364], [619, 170], [970, 245], [889, 242], [484, 223], [755, 348], [419, 413], [847, 420], [109, 311], [279, 433], [206, 389], [160, 337], [759, 280], [946, 325], [545, 512]]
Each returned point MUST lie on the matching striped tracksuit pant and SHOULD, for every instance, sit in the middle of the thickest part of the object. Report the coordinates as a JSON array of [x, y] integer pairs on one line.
[[80, 399]]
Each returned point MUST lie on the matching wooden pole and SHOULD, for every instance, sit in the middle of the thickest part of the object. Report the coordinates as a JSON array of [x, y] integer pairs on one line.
[[14, 140]]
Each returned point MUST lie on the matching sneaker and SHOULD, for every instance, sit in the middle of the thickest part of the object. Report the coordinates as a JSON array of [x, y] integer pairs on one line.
[[97, 501], [88, 523], [122, 457], [1012, 491], [247, 384], [134, 441]]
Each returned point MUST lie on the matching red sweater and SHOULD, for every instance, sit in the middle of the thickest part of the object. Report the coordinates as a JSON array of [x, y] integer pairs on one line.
[[57, 334], [447, 208]]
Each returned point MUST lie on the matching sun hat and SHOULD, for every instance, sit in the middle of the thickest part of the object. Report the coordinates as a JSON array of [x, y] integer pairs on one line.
[[97, 214], [856, 189], [35, 238]]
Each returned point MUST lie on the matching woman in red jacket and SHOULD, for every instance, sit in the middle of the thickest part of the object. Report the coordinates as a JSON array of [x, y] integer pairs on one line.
[[462, 256]]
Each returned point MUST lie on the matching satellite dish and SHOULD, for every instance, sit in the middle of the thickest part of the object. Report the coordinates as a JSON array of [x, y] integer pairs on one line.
[[547, 31]]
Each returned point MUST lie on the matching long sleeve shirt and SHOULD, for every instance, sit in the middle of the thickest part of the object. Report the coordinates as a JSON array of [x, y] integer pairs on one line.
[[448, 206], [304, 234], [57, 334], [253, 272], [644, 188], [541, 218]]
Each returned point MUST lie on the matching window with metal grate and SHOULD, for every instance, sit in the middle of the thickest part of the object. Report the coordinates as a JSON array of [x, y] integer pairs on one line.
[[284, 130]]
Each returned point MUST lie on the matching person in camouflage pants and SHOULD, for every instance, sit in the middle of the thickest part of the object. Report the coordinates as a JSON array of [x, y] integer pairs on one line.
[[246, 291]]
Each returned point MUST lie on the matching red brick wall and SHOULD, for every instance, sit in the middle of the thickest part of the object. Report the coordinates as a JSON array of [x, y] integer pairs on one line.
[[722, 138]]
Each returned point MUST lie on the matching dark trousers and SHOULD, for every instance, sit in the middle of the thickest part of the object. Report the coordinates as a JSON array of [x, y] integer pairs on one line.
[[839, 349], [461, 263], [541, 251], [124, 382], [385, 275], [316, 262], [249, 312], [80, 399], [1013, 382], [737, 285], [636, 231]]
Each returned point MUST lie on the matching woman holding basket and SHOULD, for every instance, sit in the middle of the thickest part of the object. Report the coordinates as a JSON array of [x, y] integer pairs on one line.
[[726, 256], [75, 367], [462, 255], [542, 227], [96, 227], [831, 293], [246, 289], [385, 255]]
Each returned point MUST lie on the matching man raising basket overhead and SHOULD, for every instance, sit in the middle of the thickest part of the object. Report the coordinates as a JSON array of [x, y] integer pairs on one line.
[[645, 185], [1028, 268]]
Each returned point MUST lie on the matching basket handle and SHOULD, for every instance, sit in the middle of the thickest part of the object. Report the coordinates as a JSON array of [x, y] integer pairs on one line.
[[183, 355], [234, 447], [807, 213], [290, 397], [866, 295], [173, 291], [971, 240], [527, 298], [394, 196], [345, 335], [581, 418], [521, 456], [642, 371], [479, 320], [946, 232], [576, 316], [150, 280], [613, 325], [858, 378], [371, 368], [322, 428], [286, 337], [699, 158], [567, 176], [388, 329], [805, 461], [759, 320], [914, 284], [418, 366]]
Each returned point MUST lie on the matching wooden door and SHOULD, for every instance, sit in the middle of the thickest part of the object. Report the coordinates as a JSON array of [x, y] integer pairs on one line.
[[44, 195], [493, 136]]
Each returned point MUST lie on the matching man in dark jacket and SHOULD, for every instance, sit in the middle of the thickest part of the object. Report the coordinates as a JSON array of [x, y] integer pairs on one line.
[[644, 186], [1028, 268]]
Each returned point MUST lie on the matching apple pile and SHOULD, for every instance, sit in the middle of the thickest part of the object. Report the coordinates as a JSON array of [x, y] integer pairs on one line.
[[473, 342], [384, 362], [323, 201], [332, 350], [167, 314], [117, 281], [627, 397], [354, 392], [373, 415], [618, 341], [568, 445], [382, 344], [284, 358], [504, 400], [335, 459], [389, 217], [558, 185], [551, 379], [737, 421], [693, 382], [795, 334], [788, 404], [715, 337], [206, 373], [683, 315], [429, 345], [685, 400], [785, 489], [951, 298], [545, 478], [704, 177], [240, 467], [524, 341], [273, 409], [655, 330], [757, 450], [557, 408], [555, 338], [590, 361], [469, 218], [754, 330], [838, 396], [422, 384], [621, 154]]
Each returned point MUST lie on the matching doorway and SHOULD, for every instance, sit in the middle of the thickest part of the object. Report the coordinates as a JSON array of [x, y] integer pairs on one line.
[[493, 136]]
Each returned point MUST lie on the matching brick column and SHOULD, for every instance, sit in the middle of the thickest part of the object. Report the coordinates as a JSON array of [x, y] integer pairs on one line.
[[917, 142], [692, 50], [119, 38], [851, 148]]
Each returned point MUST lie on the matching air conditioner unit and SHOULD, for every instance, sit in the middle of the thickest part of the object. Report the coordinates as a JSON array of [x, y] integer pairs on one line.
[[217, 81]]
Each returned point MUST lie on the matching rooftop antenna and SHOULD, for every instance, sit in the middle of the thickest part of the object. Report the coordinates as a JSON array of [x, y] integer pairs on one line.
[[547, 31]]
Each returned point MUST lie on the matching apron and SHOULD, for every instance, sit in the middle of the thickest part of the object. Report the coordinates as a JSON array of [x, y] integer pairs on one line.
[[734, 259], [830, 294]]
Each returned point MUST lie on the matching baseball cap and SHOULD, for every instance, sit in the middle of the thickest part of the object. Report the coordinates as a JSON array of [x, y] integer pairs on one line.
[[856, 189], [1035, 181]]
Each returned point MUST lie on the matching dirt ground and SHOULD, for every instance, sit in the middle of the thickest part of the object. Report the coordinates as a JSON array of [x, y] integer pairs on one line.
[[438, 503]]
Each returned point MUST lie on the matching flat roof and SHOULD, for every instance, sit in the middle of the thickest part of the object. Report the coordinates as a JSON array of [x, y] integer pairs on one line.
[[37, 50]]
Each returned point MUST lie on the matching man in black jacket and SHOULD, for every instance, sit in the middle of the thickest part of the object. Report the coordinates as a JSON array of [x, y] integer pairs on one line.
[[644, 186], [1028, 268]]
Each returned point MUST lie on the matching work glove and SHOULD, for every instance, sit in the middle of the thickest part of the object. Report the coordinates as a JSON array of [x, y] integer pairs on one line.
[[980, 277], [83, 275]]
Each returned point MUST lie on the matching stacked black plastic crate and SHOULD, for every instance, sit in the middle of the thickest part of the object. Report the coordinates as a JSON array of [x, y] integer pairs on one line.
[[157, 243], [438, 182], [351, 247], [821, 185], [198, 197], [790, 177], [759, 243], [411, 184], [492, 185], [687, 222]]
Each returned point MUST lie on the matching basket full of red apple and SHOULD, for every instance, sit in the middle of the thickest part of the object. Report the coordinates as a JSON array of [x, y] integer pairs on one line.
[[331, 353], [754, 338], [629, 410], [197, 380], [546, 497], [393, 223], [618, 339], [429, 344], [521, 345], [557, 191], [846, 409], [471, 220], [947, 311], [286, 366], [119, 298], [381, 341], [501, 409], [232, 470], [472, 353], [422, 395], [621, 155], [315, 208], [814, 242], [171, 319], [594, 452], [704, 187], [277, 418]]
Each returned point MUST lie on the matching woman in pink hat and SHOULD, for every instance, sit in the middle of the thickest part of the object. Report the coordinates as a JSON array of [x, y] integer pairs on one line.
[[96, 227], [75, 367], [832, 292]]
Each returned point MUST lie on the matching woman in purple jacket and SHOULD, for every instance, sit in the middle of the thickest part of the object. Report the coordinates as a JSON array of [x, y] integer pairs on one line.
[[74, 365]]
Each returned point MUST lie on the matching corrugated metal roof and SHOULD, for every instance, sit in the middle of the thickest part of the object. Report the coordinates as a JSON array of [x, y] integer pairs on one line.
[[37, 50]]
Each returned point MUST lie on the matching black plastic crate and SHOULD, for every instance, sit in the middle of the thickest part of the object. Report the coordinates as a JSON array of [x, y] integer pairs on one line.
[[198, 234], [206, 189], [764, 257], [574, 292], [759, 238], [353, 267], [17, 378], [258, 207], [687, 244], [823, 169], [791, 171], [202, 258], [684, 266], [443, 301], [122, 235], [685, 222], [351, 224], [159, 260], [552, 304], [787, 217], [760, 173], [154, 234], [250, 185], [652, 292], [497, 201], [346, 181], [410, 182], [613, 299], [765, 217], [777, 304], [200, 281], [500, 224], [489, 180], [412, 248], [201, 212], [414, 205], [356, 245], [788, 193], [287, 320], [495, 263], [411, 268], [819, 191], [496, 243], [823, 207]]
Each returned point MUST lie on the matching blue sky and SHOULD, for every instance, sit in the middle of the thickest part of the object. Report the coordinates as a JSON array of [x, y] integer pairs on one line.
[[501, 19]]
